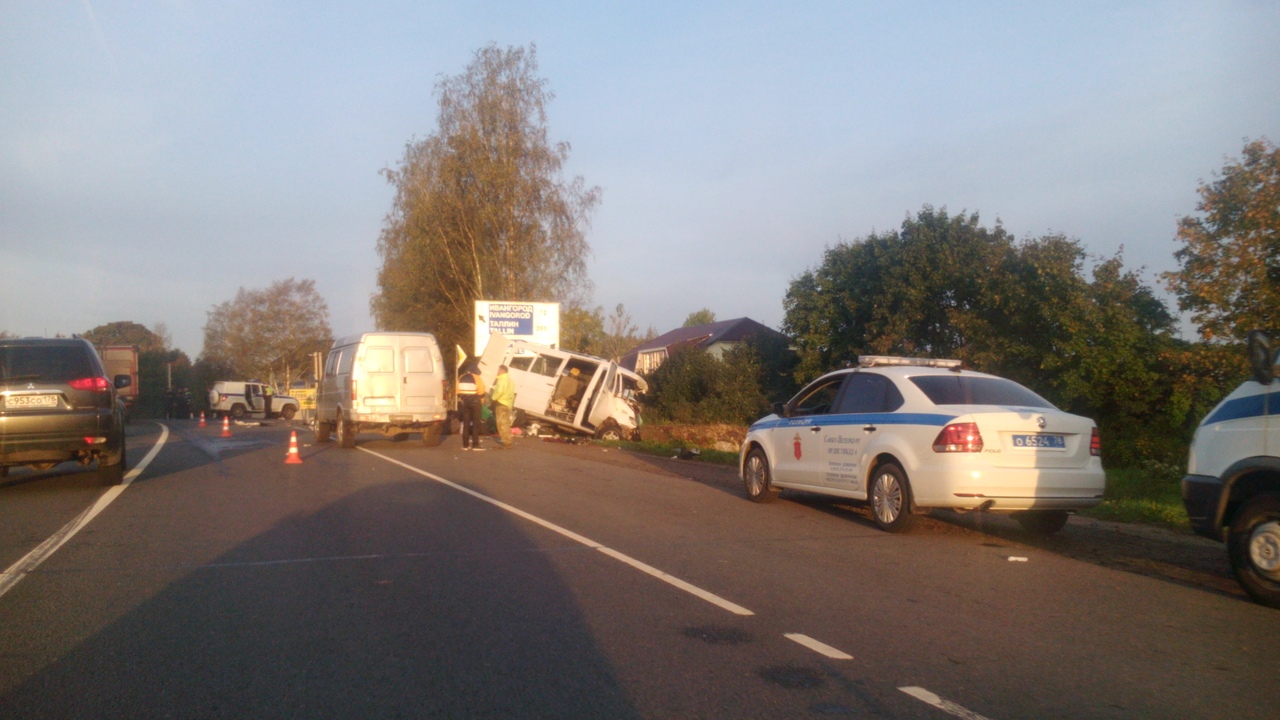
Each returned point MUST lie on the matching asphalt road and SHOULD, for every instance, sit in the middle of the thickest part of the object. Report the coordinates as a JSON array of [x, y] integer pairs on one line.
[[570, 581]]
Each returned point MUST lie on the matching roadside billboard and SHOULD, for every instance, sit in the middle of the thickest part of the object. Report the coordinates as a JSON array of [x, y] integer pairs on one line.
[[532, 321]]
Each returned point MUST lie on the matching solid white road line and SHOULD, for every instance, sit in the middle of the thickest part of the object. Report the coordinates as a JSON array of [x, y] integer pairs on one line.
[[944, 705], [818, 647], [672, 580], [19, 570]]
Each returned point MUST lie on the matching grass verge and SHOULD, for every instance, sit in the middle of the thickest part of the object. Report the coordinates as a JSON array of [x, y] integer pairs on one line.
[[1142, 495]]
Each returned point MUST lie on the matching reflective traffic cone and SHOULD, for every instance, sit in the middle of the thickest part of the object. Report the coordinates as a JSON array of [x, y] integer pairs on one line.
[[202, 422], [293, 458], [226, 426]]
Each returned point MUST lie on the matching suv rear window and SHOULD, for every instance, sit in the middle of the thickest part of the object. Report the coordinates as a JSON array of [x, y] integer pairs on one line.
[[961, 390], [45, 363]]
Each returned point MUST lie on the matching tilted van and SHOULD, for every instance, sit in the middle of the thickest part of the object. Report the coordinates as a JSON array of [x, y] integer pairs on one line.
[[384, 382], [570, 391]]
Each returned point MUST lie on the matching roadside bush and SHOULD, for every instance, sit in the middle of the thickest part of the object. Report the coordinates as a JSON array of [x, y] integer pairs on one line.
[[692, 387]]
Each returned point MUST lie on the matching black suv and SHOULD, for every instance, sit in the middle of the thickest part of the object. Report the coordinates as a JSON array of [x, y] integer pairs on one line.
[[57, 404]]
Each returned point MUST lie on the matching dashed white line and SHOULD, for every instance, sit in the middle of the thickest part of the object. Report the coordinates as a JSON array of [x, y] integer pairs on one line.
[[942, 704], [32, 560], [818, 647], [648, 569]]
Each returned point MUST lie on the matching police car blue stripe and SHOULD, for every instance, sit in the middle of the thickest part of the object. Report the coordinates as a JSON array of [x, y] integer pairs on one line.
[[856, 419], [1245, 407]]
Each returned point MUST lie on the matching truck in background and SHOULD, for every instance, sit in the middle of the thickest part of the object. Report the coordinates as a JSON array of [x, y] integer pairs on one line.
[[122, 360]]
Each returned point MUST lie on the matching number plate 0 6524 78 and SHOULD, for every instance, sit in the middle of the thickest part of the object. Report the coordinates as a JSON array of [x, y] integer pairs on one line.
[[1040, 441]]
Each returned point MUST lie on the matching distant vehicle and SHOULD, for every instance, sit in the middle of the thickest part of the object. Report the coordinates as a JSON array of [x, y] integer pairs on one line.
[[228, 397], [907, 434], [123, 360], [386, 382], [1232, 486], [570, 391], [57, 404]]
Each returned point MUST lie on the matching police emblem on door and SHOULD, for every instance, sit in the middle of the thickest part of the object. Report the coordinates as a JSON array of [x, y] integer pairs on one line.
[[797, 446]]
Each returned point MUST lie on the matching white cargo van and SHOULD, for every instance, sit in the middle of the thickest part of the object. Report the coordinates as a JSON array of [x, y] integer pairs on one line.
[[386, 382], [570, 391]]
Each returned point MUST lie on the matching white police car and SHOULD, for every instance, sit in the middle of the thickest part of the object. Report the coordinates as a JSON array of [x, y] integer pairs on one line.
[[1232, 486], [909, 434]]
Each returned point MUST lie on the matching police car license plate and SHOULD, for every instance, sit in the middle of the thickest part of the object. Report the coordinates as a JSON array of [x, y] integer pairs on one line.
[[1040, 441], [31, 401]]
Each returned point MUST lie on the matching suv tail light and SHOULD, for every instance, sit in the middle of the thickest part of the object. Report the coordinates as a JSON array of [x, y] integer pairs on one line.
[[1095, 444], [98, 384], [958, 437]]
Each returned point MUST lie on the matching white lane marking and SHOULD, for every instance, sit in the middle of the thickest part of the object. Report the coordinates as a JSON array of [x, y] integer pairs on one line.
[[818, 647], [942, 704], [20, 569], [670, 579]]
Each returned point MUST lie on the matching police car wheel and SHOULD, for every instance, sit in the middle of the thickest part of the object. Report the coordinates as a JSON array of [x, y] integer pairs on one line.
[[890, 498], [288, 412], [756, 478], [1253, 546], [1042, 522]]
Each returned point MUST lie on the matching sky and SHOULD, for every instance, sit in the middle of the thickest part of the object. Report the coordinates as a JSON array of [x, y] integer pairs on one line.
[[157, 156]]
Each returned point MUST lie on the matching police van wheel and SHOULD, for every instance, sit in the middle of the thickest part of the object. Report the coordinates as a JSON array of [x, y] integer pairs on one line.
[[346, 434], [324, 432], [890, 498], [237, 411], [288, 412], [1253, 546], [431, 436]]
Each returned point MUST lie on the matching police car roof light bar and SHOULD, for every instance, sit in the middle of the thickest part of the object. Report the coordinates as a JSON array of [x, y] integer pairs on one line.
[[881, 360]]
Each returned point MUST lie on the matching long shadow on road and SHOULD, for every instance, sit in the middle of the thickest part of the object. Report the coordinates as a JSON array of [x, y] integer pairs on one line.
[[373, 606]]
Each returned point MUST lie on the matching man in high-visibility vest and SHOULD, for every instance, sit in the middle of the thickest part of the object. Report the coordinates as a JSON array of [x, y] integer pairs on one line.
[[471, 393], [504, 400]]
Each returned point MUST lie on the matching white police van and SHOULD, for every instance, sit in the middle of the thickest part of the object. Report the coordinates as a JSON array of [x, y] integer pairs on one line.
[[1232, 486], [906, 435]]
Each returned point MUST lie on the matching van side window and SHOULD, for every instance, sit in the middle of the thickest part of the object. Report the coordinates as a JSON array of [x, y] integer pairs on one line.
[[546, 365], [346, 360], [521, 362], [379, 360], [331, 365], [418, 360]]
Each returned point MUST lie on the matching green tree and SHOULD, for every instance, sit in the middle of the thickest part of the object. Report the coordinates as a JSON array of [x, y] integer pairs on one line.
[[692, 387], [582, 330], [700, 317], [268, 333], [481, 210], [1229, 278], [126, 332]]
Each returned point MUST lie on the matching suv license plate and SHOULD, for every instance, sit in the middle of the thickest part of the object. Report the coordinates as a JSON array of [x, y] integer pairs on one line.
[[1040, 442], [31, 401]]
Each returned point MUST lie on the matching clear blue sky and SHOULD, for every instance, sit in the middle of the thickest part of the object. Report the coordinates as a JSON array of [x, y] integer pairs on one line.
[[157, 156]]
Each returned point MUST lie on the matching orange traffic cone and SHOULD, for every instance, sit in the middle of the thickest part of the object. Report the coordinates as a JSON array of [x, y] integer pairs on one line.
[[293, 458], [226, 426], [202, 422]]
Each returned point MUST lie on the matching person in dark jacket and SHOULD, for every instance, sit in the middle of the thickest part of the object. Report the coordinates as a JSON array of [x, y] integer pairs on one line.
[[471, 394]]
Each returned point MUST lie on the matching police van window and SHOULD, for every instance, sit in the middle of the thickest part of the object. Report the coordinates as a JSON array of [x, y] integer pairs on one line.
[[870, 393], [966, 390], [817, 398], [418, 360], [346, 360], [520, 363], [379, 360]]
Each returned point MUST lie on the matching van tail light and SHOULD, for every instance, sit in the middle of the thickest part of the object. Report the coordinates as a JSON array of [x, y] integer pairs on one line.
[[958, 437], [353, 393], [98, 384], [1095, 444]]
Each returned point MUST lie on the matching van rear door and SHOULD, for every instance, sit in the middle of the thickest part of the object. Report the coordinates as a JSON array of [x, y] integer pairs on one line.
[[421, 387]]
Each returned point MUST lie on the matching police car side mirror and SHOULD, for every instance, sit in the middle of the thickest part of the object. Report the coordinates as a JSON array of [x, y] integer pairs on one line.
[[779, 409], [1261, 359]]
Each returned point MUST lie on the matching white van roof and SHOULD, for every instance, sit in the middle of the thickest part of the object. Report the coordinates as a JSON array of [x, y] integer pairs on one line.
[[355, 339]]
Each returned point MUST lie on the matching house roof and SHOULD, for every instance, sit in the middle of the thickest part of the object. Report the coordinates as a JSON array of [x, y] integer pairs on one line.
[[735, 330]]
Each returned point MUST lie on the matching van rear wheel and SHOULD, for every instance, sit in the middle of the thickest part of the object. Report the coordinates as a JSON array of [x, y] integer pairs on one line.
[[346, 434], [324, 432]]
